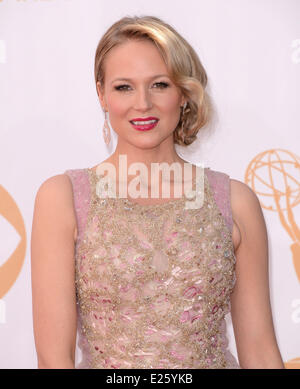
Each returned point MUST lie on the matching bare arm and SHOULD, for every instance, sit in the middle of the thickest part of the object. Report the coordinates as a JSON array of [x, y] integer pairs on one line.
[[250, 301], [53, 274]]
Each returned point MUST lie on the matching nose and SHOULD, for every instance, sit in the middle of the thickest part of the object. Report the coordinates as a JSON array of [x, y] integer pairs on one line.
[[143, 100]]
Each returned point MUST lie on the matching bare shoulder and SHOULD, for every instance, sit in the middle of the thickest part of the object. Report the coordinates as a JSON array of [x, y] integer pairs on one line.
[[243, 197], [245, 207], [56, 183], [57, 189], [56, 194]]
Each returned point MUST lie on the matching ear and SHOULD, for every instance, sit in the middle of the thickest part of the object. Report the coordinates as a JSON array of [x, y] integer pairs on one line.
[[100, 93]]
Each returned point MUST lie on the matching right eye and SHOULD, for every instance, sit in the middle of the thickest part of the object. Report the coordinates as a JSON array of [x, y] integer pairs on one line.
[[120, 87]]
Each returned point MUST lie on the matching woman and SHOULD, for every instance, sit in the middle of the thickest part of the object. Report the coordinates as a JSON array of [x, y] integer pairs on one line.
[[150, 281]]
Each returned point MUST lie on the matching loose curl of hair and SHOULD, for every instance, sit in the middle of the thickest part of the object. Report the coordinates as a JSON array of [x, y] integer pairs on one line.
[[183, 64]]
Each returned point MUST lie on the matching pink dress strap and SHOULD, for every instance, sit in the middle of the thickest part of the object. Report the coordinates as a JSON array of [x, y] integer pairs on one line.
[[220, 185], [81, 197]]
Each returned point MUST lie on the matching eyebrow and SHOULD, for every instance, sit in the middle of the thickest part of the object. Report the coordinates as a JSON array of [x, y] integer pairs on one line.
[[150, 78]]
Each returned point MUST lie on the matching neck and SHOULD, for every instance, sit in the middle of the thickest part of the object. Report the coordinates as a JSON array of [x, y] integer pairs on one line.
[[146, 157]]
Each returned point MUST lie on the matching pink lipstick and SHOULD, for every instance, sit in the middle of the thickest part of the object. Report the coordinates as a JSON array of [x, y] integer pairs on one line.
[[145, 124]]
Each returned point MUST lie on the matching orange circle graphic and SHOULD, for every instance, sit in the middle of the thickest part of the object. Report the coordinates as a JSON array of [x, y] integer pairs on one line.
[[10, 270], [292, 364]]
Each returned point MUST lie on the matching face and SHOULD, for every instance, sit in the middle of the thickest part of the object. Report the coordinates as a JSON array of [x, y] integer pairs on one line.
[[148, 91]]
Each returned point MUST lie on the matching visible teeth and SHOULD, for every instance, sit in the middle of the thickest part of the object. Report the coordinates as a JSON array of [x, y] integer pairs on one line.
[[143, 123]]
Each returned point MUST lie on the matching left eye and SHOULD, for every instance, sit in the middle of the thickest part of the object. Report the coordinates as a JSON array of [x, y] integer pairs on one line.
[[163, 84]]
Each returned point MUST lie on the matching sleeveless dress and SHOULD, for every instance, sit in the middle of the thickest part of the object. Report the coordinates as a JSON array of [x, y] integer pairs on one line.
[[153, 282]]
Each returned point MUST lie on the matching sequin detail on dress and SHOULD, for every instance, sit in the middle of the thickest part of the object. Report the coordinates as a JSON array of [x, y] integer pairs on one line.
[[153, 282]]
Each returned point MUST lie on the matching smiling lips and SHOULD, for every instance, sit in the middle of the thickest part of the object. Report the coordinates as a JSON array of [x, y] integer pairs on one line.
[[144, 124]]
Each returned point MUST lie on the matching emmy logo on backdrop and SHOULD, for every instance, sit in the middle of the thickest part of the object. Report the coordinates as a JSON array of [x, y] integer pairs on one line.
[[274, 175]]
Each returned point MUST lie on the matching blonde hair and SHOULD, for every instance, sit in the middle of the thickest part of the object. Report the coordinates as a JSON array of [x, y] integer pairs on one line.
[[183, 64]]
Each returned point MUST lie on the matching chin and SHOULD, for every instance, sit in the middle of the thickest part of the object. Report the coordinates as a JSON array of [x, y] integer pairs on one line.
[[147, 142]]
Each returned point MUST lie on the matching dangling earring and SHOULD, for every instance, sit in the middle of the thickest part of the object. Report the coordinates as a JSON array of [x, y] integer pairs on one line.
[[106, 130]]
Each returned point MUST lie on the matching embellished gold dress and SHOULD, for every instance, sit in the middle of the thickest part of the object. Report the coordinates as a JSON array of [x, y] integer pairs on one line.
[[153, 282]]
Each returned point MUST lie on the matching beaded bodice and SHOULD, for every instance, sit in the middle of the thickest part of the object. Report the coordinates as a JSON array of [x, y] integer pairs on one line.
[[153, 282]]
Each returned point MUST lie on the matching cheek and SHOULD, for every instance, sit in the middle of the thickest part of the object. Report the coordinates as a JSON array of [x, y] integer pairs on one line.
[[171, 104], [117, 106]]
